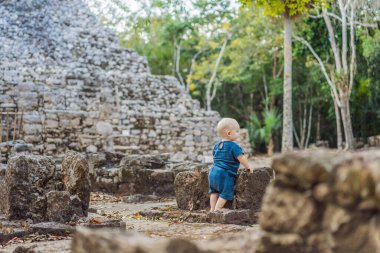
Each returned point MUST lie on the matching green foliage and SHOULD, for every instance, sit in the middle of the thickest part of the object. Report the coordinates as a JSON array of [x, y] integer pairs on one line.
[[289, 8], [261, 129], [371, 45]]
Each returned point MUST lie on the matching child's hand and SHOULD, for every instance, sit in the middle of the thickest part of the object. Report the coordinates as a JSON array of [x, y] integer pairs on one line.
[[250, 168]]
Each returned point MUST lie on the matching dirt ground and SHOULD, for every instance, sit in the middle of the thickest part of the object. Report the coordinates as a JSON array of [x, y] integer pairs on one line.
[[224, 237], [207, 236]]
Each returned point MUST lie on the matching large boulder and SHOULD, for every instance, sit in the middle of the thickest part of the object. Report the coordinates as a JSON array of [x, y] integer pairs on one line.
[[76, 178]]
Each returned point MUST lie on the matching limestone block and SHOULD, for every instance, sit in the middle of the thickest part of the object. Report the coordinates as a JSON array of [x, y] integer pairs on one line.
[[76, 179], [250, 188], [27, 179], [162, 183], [32, 129], [51, 123], [191, 190], [91, 149], [58, 206], [104, 128]]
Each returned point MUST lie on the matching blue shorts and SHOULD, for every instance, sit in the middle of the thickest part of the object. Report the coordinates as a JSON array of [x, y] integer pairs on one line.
[[223, 182]]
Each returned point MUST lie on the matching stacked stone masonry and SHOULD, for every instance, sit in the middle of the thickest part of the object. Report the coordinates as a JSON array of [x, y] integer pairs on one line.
[[322, 202], [79, 90]]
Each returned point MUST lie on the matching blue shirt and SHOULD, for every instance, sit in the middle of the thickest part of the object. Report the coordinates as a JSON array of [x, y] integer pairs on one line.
[[225, 154]]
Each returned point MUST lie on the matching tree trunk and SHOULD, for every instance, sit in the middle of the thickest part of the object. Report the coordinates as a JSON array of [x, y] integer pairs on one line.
[[210, 94], [287, 127], [339, 143], [177, 62], [346, 119], [309, 126], [270, 147], [318, 134]]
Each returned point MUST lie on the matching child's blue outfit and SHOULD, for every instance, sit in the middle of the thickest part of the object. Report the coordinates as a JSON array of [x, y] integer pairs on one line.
[[224, 170]]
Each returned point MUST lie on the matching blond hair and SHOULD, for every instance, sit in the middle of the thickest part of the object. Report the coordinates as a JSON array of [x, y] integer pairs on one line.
[[226, 124]]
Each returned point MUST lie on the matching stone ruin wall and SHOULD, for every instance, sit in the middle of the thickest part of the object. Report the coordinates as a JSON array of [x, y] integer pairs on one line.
[[79, 90], [322, 202]]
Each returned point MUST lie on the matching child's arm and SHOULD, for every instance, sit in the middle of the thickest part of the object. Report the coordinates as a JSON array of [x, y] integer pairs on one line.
[[243, 160]]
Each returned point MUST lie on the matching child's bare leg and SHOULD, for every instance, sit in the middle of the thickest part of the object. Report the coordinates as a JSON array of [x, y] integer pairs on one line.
[[213, 199], [220, 203]]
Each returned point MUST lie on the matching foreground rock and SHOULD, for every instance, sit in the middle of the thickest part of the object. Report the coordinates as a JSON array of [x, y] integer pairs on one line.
[[191, 188], [33, 188], [323, 202], [88, 241]]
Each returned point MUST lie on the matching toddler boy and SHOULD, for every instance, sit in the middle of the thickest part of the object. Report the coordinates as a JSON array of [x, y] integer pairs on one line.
[[227, 158]]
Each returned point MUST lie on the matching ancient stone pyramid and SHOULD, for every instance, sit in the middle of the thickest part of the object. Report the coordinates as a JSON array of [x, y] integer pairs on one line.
[[78, 89]]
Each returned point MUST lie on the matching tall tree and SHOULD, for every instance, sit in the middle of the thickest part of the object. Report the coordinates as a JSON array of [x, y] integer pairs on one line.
[[288, 10]]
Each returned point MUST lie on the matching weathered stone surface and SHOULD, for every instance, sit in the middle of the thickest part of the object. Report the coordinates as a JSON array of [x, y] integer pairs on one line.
[[76, 178], [238, 217], [303, 170], [287, 211], [27, 179], [145, 161], [250, 189], [104, 128], [334, 209], [32, 189], [88, 241], [58, 206], [191, 189]]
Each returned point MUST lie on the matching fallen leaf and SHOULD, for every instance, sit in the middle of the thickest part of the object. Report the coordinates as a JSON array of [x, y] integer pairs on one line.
[[95, 220]]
